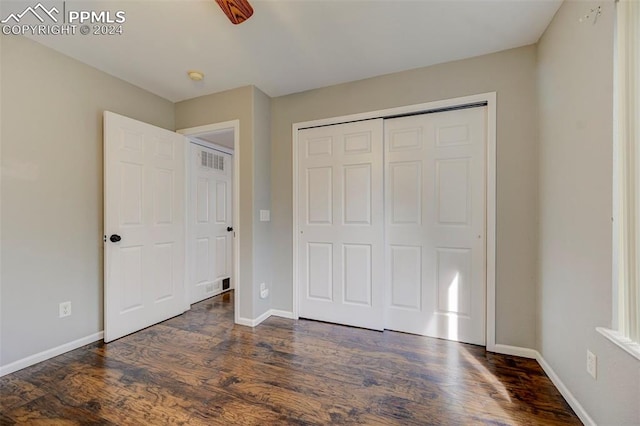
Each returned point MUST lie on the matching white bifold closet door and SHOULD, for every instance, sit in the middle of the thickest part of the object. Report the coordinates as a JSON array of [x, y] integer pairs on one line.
[[435, 224], [209, 220], [426, 260], [340, 211]]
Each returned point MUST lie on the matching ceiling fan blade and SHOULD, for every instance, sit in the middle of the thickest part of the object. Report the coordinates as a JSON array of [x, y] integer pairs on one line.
[[237, 11]]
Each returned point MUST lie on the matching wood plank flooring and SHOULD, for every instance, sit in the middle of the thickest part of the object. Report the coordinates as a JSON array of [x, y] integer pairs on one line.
[[201, 369]]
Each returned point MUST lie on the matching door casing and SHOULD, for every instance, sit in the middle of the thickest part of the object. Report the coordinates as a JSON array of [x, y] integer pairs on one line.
[[490, 202]]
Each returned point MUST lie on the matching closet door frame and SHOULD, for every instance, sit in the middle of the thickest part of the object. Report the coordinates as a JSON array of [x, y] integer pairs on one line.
[[484, 98]]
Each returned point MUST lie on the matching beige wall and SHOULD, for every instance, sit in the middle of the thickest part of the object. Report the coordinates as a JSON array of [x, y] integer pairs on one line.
[[512, 75], [262, 247], [576, 156], [51, 188]]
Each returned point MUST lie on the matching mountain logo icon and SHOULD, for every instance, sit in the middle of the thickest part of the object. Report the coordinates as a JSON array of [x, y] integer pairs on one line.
[[38, 11]]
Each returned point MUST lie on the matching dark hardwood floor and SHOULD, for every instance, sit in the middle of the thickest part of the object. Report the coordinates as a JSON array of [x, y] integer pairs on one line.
[[200, 368]]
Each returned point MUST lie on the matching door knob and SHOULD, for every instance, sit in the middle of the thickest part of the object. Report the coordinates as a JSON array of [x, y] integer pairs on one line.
[[115, 238], [229, 229]]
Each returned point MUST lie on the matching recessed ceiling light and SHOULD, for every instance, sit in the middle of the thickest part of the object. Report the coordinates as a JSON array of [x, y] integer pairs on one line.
[[195, 75]]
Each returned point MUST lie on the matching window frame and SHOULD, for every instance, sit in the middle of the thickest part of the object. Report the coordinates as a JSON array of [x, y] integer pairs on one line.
[[626, 181]]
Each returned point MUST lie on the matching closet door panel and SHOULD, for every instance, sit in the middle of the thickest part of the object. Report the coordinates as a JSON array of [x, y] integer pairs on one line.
[[435, 224], [340, 232]]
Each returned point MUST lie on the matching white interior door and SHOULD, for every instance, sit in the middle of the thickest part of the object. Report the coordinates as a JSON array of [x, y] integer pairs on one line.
[[435, 224], [144, 225], [210, 222], [341, 255]]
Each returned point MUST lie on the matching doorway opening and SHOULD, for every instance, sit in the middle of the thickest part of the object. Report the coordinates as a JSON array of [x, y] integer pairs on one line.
[[213, 231]]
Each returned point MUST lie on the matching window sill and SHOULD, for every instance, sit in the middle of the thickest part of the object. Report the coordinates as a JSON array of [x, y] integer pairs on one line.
[[629, 346]]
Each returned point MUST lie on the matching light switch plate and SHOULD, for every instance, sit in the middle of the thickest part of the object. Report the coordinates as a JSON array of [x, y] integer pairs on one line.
[[265, 215]]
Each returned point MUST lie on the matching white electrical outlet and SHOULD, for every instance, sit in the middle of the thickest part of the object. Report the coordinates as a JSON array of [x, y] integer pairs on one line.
[[209, 288], [65, 309], [264, 291], [592, 364]]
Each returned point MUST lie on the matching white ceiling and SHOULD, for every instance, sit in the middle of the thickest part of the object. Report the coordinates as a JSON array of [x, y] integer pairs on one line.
[[224, 137], [291, 46]]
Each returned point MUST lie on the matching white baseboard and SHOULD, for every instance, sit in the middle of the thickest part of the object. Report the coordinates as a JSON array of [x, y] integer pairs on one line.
[[49, 353], [275, 312], [262, 317], [253, 322], [514, 350], [246, 322], [566, 393], [282, 314], [555, 379]]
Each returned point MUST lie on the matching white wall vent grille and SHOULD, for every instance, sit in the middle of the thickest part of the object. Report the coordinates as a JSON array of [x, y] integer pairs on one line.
[[211, 160]]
